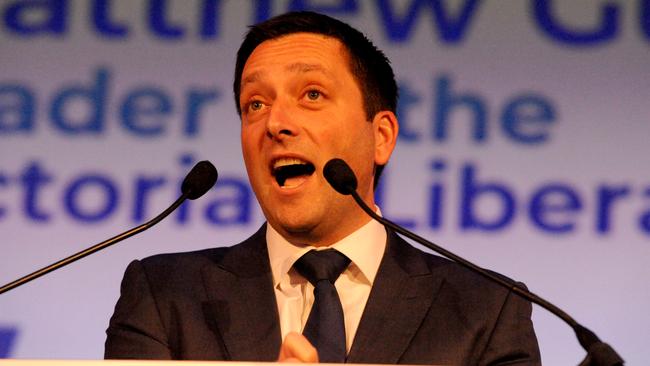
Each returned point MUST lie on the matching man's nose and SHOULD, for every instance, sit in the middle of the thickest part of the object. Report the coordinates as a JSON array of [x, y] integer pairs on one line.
[[280, 123]]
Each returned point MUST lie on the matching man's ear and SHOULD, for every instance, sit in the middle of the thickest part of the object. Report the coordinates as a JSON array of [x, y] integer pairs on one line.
[[386, 128]]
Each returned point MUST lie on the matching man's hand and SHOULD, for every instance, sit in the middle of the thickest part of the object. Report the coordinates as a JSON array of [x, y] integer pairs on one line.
[[296, 348]]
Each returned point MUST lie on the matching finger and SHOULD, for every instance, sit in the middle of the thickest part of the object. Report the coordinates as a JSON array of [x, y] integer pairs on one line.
[[296, 348]]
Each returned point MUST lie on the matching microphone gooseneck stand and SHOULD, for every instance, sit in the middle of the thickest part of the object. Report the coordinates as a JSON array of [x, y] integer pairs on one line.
[[197, 182], [341, 177]]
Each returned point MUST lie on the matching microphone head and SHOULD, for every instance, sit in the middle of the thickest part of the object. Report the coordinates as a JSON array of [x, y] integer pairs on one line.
[[199, 180], [340, 176]]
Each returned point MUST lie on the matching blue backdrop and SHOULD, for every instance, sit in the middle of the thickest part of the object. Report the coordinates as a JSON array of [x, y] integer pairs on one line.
[[523, 146]]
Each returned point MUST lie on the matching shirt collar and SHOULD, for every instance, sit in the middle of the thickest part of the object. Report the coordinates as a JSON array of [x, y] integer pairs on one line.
[[365, 248]]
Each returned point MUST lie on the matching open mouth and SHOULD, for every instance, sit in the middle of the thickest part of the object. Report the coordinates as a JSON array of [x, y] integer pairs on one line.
[[291, 172]]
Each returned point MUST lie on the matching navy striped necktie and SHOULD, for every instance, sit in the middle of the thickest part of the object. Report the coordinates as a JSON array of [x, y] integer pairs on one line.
[[325, 327]]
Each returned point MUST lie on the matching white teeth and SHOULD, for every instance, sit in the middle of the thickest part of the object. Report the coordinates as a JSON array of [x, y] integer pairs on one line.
[[287, 161]]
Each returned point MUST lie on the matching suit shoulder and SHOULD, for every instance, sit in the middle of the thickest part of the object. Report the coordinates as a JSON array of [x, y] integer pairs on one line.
[[185, 261], [454, 273], [173, 272], [184, 268]]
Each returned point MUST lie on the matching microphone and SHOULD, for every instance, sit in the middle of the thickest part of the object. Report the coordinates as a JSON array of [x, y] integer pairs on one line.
[[197, 182], [341, 177]]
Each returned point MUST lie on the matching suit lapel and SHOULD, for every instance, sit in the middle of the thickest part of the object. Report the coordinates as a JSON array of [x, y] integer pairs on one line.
[[242, 302], [399, 300]]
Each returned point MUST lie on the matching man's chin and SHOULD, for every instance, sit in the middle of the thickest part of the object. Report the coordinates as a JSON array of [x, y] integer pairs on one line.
[[299, 233]]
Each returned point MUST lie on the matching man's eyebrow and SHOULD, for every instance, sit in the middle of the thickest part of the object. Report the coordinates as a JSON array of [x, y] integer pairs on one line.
[[251, 78]]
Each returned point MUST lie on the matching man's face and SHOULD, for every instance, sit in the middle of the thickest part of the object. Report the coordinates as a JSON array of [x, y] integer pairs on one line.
[[301, 107]]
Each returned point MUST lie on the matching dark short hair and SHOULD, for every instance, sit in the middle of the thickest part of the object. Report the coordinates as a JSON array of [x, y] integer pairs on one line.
[[369, 66]]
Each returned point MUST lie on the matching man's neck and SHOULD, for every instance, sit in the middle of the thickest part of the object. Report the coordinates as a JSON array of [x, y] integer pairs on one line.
[[322, 237]]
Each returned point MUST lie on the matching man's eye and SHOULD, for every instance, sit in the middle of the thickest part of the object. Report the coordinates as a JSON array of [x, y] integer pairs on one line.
[[256, 105], [313, 94]]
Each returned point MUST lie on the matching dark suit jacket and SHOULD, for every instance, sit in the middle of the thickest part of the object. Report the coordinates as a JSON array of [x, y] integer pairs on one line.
[[219, 304]]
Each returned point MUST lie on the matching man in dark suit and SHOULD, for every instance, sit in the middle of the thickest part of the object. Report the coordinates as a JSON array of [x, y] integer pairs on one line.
[[309, 88]]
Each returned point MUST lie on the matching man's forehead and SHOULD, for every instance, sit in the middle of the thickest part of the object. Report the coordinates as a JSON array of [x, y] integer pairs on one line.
[[295, 67], [301, 67], [309, 52]]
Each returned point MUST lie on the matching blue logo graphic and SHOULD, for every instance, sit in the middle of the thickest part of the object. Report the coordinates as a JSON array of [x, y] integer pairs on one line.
[[7, 337]]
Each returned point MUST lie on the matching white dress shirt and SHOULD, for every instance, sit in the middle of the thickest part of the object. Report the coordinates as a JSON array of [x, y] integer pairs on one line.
[[295, 295]]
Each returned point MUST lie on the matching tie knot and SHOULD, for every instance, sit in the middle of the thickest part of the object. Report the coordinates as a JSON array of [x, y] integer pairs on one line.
[[318, 265]]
